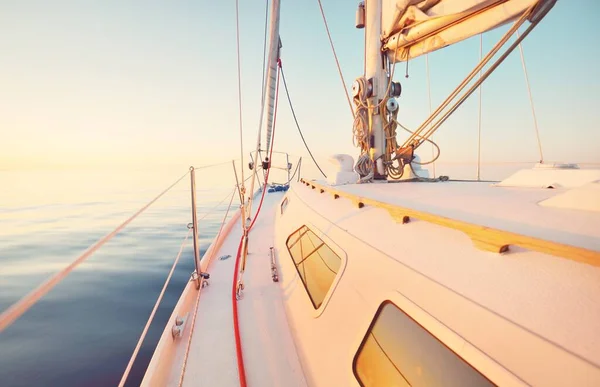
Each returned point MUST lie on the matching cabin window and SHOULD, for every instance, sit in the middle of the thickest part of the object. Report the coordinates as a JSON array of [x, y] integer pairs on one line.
[[317, 264], [398, 351], [284, 204]]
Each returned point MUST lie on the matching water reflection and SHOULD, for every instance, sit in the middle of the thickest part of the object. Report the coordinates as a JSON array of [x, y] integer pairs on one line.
[[83, 331]]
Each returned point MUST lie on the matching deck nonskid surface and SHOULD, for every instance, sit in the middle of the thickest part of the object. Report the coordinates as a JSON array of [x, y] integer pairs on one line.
[[548, 295], [509, 209], [269, 353]]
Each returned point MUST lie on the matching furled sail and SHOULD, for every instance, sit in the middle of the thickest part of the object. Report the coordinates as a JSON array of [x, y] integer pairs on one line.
[[415, 27], [271, 80]]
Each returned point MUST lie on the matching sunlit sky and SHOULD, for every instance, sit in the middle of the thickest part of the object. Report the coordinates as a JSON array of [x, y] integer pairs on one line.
[[113, 83]]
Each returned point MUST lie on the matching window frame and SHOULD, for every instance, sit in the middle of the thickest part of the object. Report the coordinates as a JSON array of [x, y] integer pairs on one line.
[[332, 246], [372, 324]]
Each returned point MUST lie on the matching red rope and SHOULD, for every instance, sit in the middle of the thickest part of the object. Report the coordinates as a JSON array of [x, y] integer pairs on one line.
[[236, 329], [236, 326], [270, 154]]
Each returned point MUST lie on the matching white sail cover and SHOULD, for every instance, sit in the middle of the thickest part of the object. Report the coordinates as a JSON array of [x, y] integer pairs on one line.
[[415, 27]]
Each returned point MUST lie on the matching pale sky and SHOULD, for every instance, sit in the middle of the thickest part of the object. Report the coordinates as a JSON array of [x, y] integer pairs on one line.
[[113, 83]]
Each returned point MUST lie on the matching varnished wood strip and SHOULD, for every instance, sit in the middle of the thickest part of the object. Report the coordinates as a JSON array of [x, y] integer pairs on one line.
[[484, 238]]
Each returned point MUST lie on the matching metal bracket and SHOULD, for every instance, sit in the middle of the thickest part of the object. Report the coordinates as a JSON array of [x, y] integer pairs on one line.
[[239, 291], [179, 326], [202, 279], [274, 274]]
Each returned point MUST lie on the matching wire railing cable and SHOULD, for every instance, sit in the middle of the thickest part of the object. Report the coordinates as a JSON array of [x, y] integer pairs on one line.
[[217, 205], [287, 93], [156, 305], [213, 165], [337, 62], [16, 310]]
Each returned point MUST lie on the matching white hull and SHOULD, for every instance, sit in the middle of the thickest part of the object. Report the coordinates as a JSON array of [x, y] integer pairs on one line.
[[522, 318]]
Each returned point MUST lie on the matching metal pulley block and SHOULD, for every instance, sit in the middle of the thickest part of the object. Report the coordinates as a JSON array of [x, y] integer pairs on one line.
[[266, 164]]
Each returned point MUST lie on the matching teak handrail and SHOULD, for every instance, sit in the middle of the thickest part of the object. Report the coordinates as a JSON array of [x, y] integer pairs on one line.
[[485, 238]]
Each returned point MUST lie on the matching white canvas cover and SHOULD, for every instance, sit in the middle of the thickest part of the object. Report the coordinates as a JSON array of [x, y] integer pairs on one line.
[[415, 27]]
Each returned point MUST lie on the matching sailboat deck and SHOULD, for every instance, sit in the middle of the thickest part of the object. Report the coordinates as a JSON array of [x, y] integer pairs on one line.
[[545, 294], [268, 349], [514, 210]]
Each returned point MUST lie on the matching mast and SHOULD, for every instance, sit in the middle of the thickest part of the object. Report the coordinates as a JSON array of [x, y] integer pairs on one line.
[[268, 98], [374, 70]]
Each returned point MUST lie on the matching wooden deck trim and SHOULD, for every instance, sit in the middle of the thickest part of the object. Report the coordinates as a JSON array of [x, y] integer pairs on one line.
[[484, 238]]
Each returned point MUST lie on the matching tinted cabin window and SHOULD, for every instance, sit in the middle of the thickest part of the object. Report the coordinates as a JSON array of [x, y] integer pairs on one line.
[[316, 263], [397, 351]]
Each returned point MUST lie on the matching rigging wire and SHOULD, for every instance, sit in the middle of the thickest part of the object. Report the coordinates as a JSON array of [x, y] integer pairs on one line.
[[270, 154], [211, 165], [429, 140], [287, 93], [239, 75], [16, 310], [293, 174], [269, 66], [421, 132], [264, 70], [480, 89], [237, 284], [154, 309], [262, 97], [215, 207], [236, 272], [535, 122], [430, 107], [337, 62]]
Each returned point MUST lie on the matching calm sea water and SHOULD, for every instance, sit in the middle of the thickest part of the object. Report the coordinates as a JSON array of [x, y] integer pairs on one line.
[[83, 332]]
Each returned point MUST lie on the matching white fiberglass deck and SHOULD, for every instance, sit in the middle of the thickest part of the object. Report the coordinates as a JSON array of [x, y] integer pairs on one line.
[[269, 353], [509, 209], [553, 298]]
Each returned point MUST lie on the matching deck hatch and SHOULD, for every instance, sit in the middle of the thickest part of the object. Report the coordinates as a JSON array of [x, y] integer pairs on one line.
[[317, 264], [398, 351]]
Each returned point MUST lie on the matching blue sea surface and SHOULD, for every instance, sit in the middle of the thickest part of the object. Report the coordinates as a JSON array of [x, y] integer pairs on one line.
[[83, 332]]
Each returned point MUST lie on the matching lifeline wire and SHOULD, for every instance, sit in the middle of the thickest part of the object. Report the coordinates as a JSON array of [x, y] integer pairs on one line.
[[21, 306], [158, 300]]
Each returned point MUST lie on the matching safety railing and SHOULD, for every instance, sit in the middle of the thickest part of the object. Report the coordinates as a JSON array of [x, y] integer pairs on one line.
[[10, 315], [14, 312]]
